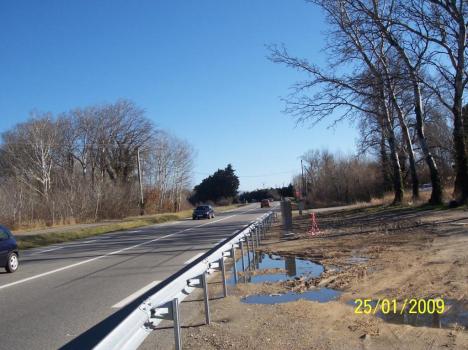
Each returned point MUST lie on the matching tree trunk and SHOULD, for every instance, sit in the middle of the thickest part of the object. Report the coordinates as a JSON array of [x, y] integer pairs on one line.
[[459, 131], [409, 147], [388, 127], [436, 195], [386, 177], [397, 177], [461, 172]]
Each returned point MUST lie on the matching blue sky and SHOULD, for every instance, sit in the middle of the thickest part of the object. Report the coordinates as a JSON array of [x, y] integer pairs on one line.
[[198, 68]]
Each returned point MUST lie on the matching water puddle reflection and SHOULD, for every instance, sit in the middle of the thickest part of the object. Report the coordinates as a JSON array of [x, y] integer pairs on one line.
[[275, 268]]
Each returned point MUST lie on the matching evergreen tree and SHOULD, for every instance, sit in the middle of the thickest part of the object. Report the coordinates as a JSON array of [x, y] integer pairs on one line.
[[223, 184]]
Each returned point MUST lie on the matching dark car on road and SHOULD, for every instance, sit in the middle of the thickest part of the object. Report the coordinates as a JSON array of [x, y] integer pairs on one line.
[[203, 211], [8, 250], [265, 203]]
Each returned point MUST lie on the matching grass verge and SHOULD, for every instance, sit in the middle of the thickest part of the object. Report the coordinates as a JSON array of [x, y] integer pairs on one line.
[[44, 239]]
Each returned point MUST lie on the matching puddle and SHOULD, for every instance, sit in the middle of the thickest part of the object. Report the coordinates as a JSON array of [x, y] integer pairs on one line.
[[322, 295], [455, 315], [287, 268], [275, 268]]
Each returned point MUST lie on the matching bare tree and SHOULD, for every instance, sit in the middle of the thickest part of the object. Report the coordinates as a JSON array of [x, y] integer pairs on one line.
[[362, 91], [443, 25], [29, 153], [82, 165]]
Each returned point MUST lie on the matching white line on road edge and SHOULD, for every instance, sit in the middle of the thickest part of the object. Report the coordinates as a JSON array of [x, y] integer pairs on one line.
[[193, 258], [135, 295], [48, 250], [111, 253]]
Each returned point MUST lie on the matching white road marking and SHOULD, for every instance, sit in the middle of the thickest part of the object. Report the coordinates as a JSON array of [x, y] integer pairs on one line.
[[49, 250], [135, 295], [193, 258], [109, 254]]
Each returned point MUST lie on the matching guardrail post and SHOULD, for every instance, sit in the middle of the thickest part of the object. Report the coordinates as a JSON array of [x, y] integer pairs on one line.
[[223, 275], [252, 241], [242, 253], [257, 236], [206, 299], [233, 255], [248, 250], [176, 318]]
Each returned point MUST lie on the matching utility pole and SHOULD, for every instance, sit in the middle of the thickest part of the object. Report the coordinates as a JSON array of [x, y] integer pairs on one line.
[[142, 203], [304, 189]]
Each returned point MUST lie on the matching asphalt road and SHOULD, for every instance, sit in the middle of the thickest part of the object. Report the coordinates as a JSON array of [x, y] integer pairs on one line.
[[69, 295]]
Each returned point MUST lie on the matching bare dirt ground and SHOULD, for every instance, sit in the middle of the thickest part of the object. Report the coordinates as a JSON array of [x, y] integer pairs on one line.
[[367, 253]]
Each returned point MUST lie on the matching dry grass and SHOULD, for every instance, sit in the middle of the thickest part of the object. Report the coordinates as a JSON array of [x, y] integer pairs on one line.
[[424, 197]]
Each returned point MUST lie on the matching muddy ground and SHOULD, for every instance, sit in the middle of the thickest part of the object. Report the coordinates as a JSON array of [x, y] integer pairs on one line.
[[367, 253]]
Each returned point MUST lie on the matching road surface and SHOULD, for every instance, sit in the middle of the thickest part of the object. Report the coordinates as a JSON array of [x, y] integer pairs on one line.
[[68, 295]]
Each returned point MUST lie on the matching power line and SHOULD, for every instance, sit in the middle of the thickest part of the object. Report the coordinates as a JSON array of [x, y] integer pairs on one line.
[[263, 175]]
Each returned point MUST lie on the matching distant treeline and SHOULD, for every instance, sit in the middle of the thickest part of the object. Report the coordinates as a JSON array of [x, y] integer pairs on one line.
[[265, 193]]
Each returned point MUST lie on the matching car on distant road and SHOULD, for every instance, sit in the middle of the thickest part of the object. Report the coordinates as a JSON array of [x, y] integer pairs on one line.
[[8, 250], [265, 203], [203, 211]]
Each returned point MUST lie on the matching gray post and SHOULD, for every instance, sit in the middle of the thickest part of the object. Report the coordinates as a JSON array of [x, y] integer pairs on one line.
[[176, 318], [223, 275], [252, 240], [248, 250], [286, 214], [233, 253], [257, 236], [206, 299], [242, 253]]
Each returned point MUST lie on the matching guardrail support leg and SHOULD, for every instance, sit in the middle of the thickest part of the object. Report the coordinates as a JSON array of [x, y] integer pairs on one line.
[[255, 238], [234, 267], [242, 253], [176, 318], [248, 251], [206, 299], [252, 241], [257, 235], [223, 275]]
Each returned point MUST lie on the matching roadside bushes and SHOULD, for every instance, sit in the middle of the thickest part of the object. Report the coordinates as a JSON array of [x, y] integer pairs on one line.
[[334, 179]]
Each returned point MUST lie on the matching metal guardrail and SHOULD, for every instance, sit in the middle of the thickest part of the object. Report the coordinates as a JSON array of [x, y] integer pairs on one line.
[[164, 303]]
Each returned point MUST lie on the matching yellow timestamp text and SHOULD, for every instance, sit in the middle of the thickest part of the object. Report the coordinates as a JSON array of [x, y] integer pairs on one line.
[[394, 306]]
